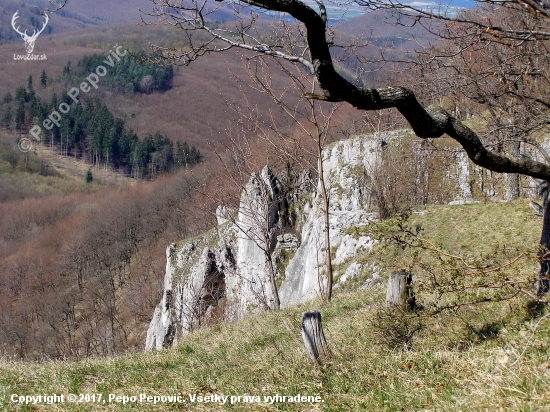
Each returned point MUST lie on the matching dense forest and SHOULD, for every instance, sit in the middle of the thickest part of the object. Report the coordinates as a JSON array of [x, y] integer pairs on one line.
[[90, 131], [134, 73]]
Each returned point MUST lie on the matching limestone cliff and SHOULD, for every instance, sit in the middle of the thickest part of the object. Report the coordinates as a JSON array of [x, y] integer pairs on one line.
[[223, 274], [346, 164]]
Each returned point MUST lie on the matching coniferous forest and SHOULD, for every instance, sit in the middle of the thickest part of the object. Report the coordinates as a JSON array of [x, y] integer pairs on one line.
[[90, 130], [135, 73]]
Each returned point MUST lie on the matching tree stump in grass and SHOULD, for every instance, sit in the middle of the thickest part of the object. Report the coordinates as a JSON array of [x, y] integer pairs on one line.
[[313, 336], [400, 292]]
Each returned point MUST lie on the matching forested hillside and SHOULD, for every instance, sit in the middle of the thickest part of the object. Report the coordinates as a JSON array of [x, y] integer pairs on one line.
[[89, 130], [81, 263], [136, 73], [194, 110]]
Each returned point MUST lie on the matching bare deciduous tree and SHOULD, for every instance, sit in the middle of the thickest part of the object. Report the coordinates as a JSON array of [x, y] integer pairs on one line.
[[527, 23], [309, 119], [315, 56]]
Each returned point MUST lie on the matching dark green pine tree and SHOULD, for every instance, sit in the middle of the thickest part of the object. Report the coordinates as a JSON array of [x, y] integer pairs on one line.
[[31, 95], [7, 98], [67, 70], [54, 102], [7, 118], [21, 94], [20, 115], [35, 110], [89, 176], [44, 79], [195, 156]]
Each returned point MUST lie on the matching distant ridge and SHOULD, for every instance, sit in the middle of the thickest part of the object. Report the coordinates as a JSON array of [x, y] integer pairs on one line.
[[78, 14]]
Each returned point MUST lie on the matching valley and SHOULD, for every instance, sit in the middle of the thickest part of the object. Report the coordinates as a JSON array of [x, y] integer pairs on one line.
[[174, 198]]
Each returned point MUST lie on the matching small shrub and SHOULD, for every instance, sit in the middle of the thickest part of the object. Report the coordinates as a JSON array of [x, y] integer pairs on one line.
[[89, 176], [395, 328]]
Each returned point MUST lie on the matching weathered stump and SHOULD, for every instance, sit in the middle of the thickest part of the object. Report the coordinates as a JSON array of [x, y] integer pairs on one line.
[[400, 292], [313, 336]]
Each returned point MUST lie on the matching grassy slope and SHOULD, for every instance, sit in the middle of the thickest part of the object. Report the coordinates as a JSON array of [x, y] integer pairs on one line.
[[451, 368], [42, 172]]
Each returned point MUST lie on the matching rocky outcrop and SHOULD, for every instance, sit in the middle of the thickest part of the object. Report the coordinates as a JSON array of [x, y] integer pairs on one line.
[[195, 286], [223, 274], [347, 165], [259, 218]]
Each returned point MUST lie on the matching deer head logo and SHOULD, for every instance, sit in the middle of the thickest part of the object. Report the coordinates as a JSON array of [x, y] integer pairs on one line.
[[29, 40]]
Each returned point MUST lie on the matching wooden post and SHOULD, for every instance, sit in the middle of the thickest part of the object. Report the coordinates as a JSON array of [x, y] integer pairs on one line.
[[400, 292], [313, 336]]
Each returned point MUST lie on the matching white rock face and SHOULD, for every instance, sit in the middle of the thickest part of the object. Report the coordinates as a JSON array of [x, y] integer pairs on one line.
[[350, 246], [463, 172], [354, 270], [194, 285], [222, 275], [346, 165], [258, 216]]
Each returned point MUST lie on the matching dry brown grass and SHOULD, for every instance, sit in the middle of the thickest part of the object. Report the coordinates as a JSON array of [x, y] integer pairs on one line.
[[451, 367]]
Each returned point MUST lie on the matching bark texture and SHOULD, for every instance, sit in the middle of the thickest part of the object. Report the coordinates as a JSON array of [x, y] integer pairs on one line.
[[512, 179], [543, 282]]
